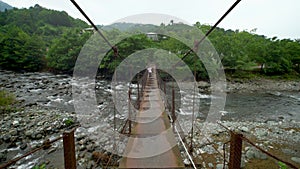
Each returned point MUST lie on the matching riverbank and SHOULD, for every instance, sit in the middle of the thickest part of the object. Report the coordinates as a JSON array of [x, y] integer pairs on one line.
[[262, 85], [237, 85]]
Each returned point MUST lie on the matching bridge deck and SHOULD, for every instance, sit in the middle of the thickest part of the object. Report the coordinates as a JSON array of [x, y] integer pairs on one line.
[[152, 143]]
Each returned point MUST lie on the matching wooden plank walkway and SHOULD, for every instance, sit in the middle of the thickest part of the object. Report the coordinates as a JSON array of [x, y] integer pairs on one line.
[[152, 139]]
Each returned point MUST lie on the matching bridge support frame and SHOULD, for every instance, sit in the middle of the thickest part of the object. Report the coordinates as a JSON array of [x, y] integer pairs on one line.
[[69, 149], [236, 144]]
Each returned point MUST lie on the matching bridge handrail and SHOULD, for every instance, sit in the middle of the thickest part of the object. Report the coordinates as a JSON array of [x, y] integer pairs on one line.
[[46, 144]]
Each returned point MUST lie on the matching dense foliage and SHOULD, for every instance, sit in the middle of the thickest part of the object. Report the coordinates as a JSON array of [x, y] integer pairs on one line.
[[27, 34], [242, 50], [37, 39]]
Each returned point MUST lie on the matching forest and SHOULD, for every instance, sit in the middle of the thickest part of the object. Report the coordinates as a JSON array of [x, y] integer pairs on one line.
[[39, 39]]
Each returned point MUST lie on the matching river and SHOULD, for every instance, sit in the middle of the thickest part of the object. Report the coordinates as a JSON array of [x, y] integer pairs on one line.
[[54, 93]]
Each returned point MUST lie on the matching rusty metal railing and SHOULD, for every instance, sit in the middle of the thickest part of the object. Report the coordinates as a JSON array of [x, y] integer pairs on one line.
[[69, 150], [236, 143]]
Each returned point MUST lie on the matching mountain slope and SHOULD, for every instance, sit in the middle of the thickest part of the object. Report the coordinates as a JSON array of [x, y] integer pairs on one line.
[[45, 23], [4, 6]]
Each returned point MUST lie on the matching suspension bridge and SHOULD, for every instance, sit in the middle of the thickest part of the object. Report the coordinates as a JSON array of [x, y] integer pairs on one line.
[[154, 138]]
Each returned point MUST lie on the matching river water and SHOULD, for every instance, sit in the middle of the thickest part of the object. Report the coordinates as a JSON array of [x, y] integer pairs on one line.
[[50, 90], [263, 106]]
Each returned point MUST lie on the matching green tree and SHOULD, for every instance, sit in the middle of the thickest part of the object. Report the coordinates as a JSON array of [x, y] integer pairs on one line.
[[19, 51], [63, 53]]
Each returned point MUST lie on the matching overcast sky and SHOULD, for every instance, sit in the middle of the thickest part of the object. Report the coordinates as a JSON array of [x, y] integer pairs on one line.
[[279, 18]]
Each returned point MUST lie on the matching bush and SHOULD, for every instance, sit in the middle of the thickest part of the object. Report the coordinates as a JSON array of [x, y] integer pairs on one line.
[[43, 166], [68, 122], [6, 101]]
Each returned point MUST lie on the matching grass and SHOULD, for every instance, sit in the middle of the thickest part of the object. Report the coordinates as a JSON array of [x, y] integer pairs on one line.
[[6, 101], [282, 165], [69, 122], [43, 166]]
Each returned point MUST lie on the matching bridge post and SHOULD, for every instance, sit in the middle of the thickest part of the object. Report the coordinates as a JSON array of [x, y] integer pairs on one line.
[[129, 110], [69, 149], [173, 105], [236, 143], [138, 95]]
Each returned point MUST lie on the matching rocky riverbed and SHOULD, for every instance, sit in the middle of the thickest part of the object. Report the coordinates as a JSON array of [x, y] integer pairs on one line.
[[46, 110]]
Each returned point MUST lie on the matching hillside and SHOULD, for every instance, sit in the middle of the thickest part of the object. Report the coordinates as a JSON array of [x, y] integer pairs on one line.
[[27, 35], [129, 27], [4, 6], [244, 53], [37, 39], [40, 21]]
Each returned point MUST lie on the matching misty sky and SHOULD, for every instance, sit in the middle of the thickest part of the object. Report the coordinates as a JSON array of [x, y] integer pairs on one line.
[[271, 17]]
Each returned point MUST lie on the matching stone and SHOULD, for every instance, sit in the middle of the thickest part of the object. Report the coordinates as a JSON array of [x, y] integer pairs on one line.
[[261, 132], [219, 166], [296, 159], [38, 136], [186, 161], [2, 157], [15, 123], [81, 154], [90, 165], [253, 153], [208, 149], [82, 147], [14, 132], [12, 145], [20, 130], [28, 133], [80, 136], [51, 150], [6, 138], [245, 129], [23, 146], [90, 148], [88, 155], [43, 100]]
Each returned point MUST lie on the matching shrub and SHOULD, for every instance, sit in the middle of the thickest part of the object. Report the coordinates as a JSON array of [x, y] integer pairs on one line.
[[6, 101]]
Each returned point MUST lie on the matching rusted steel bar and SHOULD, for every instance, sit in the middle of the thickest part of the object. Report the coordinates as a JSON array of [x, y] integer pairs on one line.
[[129, 111], [236, 143], [269, 154], [138, 95], [173, 105], [69, 149], [13, 161]]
